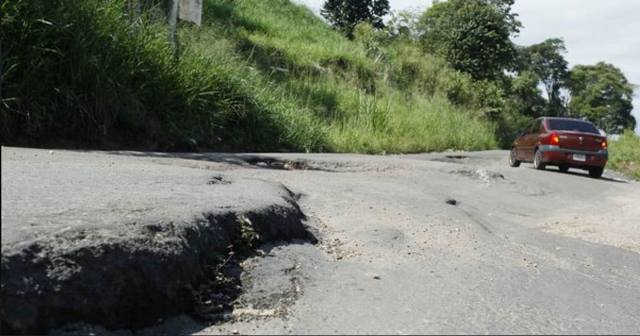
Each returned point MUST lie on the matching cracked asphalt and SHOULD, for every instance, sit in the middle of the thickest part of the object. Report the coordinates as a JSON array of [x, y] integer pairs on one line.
[[519, 251]]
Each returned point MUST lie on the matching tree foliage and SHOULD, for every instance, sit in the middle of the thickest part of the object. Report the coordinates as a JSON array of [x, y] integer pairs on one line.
[[404, 25], [602, 94], [545, 60], [472, 35], [346, 14], [525, 97]]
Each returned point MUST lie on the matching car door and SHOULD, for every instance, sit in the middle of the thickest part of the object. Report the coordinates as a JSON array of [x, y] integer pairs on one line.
[[534, 138], [526, 143], [520, 143]]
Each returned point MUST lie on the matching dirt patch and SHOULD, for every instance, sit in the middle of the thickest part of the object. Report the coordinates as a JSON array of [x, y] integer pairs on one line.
[[328, 241]]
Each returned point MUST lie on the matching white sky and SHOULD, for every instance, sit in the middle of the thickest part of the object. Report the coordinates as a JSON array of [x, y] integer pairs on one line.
[[593, 30]]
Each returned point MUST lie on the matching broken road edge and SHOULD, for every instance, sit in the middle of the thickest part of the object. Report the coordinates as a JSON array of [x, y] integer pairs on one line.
[[131, 281]]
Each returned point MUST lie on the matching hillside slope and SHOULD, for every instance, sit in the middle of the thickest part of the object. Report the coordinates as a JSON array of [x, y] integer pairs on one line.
[[259, 75]]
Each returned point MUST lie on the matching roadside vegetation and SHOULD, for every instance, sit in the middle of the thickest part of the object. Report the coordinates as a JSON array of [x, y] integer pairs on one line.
[[624, 154], [269, 75], [257, 76]]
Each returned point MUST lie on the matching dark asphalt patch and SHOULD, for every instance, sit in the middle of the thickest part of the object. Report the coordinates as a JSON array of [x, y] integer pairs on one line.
[[154, 271]]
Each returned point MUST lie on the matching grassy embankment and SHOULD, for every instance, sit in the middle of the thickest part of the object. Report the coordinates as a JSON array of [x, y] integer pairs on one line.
[[624, 154], [259, 75]]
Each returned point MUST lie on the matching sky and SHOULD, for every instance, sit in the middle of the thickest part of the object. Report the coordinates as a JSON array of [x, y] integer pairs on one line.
[[593, 30]]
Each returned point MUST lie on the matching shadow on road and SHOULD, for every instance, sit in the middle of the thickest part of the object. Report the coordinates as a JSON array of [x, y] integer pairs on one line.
[[585, 175]]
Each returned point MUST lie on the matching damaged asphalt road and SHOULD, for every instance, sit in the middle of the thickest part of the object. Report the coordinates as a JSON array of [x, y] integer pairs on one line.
[[429, 243]]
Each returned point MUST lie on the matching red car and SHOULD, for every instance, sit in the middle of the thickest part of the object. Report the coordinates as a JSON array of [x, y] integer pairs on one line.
[[563, 142]]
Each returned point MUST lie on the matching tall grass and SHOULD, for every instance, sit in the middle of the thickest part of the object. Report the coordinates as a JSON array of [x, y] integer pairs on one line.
[[624, 154], [259, 75]]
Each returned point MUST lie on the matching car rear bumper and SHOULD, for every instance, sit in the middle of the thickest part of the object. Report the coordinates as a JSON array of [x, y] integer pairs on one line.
[[555, 155]]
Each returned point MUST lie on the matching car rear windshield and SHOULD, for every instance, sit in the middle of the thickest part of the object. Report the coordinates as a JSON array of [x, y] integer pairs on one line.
[[572, 125]]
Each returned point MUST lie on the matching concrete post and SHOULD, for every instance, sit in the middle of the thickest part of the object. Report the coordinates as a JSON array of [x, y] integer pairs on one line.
[[173, 21]]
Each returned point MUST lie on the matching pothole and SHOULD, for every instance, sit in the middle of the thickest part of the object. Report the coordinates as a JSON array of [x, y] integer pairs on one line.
[[219, 179], [479, 174], [456, 157], [452, 159], [301, 164], [272, 163]]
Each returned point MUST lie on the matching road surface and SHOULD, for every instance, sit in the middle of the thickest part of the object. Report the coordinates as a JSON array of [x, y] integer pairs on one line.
[[448, 242]]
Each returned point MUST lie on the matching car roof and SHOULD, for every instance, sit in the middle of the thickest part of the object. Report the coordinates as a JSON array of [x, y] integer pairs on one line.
[[564, 118]]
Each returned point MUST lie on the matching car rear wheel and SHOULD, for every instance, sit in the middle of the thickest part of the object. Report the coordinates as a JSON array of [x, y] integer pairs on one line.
[[513, 158], [537, 160], [596, 172], [563, 168]]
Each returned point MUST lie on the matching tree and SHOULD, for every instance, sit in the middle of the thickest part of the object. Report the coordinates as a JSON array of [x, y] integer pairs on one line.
[[546, 61], [472, 35], [346, 14], [525, 97], [602, 94], [404, 24]]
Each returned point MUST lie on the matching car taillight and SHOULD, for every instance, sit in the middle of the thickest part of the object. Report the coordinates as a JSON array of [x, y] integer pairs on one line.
[[554, 139], [604, 144]]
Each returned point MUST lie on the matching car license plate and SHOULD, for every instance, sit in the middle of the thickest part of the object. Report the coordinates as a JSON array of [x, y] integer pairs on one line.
[[579, 157]]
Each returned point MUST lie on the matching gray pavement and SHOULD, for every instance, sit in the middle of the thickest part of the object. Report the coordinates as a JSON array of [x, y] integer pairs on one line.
[[46, 192], [122, 241], [520, 251]]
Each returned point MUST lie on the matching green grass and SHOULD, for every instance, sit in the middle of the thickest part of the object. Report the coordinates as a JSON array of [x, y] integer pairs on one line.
[[624, 154], [259, 75]]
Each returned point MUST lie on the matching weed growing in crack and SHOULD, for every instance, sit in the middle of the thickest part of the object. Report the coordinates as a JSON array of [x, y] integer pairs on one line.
[[248, 236]]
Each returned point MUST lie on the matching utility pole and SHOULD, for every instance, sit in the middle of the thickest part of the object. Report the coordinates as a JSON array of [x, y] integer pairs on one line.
[[138, 8], [173, 21]]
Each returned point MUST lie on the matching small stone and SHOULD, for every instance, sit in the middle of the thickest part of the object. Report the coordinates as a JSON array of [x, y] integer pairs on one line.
[[235, 332], [377, 277]]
